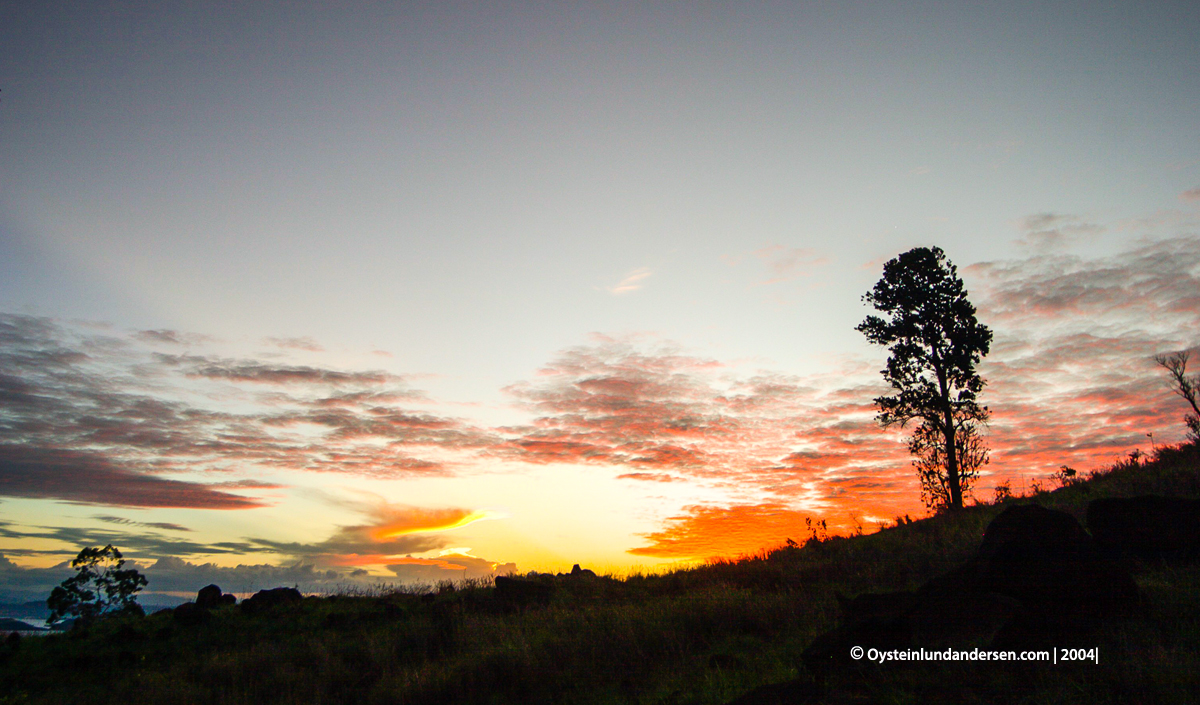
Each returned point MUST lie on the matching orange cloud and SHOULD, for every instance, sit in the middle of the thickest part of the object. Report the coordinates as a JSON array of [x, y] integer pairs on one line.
[[712, 532], [421, 521]]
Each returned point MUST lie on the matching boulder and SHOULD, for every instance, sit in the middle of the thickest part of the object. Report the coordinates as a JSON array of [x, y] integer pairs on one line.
[[793, 692], [190, 613], [875, 605], [1036, 580], [210, 596], [1147, 527], [1043, 558], [270, 599], [832, 650], [577, 572], [955, 610]]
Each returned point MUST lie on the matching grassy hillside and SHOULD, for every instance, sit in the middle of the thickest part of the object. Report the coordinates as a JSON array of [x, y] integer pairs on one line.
[[701, 635]]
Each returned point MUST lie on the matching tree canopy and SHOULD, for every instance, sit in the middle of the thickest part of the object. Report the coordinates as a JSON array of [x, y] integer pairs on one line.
[[929, 326], [100, 587]]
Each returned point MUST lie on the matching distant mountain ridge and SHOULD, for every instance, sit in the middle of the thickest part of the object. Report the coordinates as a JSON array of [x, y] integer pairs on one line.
[[16, 625], [37, 609]]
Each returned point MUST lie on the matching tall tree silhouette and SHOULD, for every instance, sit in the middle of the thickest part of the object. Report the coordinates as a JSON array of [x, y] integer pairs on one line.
[[936, 342]]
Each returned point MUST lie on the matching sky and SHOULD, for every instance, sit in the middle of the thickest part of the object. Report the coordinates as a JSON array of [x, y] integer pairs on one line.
[[331, 294]]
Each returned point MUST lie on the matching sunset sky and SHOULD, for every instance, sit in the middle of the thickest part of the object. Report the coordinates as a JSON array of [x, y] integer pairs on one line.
[[327, 293]]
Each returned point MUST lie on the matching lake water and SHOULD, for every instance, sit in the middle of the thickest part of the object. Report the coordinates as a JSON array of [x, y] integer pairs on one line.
[[29, 620]]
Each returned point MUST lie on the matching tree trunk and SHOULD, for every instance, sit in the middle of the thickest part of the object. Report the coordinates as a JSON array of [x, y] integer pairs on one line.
[[952, 476], [952, 479]]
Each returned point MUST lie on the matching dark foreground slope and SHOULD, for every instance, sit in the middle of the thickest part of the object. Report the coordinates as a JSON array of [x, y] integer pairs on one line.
[[709, 634]]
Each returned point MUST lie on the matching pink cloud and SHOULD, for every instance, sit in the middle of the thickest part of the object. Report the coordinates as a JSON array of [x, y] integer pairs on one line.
[[631, 282], [786, 263]]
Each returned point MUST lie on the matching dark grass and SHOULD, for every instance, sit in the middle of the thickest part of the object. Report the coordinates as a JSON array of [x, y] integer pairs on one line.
[[700, 635]]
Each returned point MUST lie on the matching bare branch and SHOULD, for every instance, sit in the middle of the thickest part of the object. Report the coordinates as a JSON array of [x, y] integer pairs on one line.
[[1186, 387]]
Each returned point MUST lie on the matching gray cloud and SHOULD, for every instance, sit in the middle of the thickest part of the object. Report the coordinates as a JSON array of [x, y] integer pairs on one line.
[[268, 373], [171, 337], [449, 567], [1158, 278], [80, 476], [1050, 231], [101, 419], [147, 524], [134, 543]]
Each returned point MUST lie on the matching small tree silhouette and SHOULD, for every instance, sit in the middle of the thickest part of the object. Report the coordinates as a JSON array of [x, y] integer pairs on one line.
[[100, 587]]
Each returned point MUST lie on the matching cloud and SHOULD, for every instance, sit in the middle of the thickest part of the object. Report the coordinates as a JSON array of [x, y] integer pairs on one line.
[[1071, 380], [19, 584], [415, 520], [147, 524], [1153, 285], [138, 542], [118, 417], [387, 540], [302, 343], [171, 574], [101, 418], [391, 532], [614, 403], [449, 566], [648, 477], [631, 282], [1071, 374], [704, 532], [78, 476], [265, 373], [174, 575], [655, 414], [1192, 194], [171, 337], [787, 263], [183, 578], [1049, 231]]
